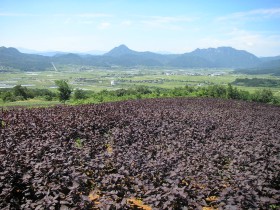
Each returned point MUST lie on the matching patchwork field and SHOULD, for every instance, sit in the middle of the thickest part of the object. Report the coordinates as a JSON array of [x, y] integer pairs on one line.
[[97, 79]]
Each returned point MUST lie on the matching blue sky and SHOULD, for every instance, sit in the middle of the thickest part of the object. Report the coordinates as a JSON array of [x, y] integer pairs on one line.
[[176, 26]]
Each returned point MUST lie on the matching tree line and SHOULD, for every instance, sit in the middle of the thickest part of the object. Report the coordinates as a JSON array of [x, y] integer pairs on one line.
[[257, 82], [78, 96]]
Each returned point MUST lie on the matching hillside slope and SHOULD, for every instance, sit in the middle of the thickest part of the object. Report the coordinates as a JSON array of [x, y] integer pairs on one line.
[[11, 57], [155, 153], [269, 67]]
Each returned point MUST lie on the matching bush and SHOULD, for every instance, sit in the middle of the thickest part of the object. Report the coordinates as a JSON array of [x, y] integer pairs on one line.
[[143, 90], [244, 95], [20, 91], [120, 92], [217, 91], [64, 90], [79, 94], [264, 96], [232, 93], [8, 97]]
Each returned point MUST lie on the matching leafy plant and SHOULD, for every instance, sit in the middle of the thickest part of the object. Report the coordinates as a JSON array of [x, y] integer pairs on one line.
[[3, 124], [64, 90], [274, 206], [78, 143], [79, 94], [172, 153]]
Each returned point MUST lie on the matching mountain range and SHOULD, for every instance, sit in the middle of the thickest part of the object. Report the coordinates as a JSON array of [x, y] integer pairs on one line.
[[52, 53], [221, 57]]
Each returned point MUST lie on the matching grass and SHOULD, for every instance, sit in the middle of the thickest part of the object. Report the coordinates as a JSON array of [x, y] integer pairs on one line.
[[275, 91], [30, 103]]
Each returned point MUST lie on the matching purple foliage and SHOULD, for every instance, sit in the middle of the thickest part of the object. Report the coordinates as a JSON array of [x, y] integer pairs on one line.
[[171, 153]]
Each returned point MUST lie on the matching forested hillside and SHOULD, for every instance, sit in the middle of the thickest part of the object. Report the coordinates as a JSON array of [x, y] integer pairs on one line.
[[222, 57]]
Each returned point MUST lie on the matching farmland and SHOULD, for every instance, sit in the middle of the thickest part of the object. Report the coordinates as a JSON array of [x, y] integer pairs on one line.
[[145, 154], [90, 78], [97, 79], [111, 79]]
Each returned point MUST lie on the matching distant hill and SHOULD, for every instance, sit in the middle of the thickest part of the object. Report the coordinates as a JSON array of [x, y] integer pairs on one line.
[[11, 57], [221, 57], [190, 61], [271, 64], [53, 53], [121, 50], [44, 53], [124, 54], [266, 59], [69, 58], [269, 67], [227, 57], [93, 52]]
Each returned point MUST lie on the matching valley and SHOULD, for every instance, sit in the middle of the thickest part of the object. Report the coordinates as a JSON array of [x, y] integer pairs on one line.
[[97, 79], [124, 68]]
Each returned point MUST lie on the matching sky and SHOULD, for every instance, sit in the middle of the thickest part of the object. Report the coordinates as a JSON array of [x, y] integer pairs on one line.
[[175, 26]]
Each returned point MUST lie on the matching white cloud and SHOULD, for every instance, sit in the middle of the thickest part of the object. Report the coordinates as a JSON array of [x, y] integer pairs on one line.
[[93, 15], [265, 12], [169, 19], [86, 22], [126, 23], [83, 18], [67, 21], [242, 30], [166, 22], [104, 25], [252, 15], [83, 15], [8, 14], [256, 43]]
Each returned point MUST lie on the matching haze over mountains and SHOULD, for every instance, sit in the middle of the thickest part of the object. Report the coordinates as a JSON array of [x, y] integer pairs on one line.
[[52, 53], [221, 57]]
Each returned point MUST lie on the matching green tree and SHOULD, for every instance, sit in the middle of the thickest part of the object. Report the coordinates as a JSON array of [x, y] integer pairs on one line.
[[143, 90], [244, 95], [232, 93], [177, 91], [189, 89], [20, 91], [79, 94], [216, 91], [64, 90], [264, 96], [157, 92], [121, 92], [8, 96]]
